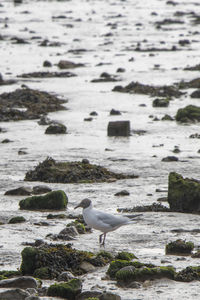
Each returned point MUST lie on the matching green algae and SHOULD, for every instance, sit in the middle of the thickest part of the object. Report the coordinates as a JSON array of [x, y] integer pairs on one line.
[[68, 290], [179, 247]]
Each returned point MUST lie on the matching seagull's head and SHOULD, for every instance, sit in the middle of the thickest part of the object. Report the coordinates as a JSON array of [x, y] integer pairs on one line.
[[84, 203]]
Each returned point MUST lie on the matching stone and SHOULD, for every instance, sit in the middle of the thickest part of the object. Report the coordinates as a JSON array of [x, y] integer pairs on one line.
[[183, 194], [190, 113], [68, 233], [47, 63], [41, 189], [14, 294], [122, 193], [21, 191], [118, 128], [56, 128], [89, 294], [22, 282], [114, 112], [170, 158], [109, 296], [66, 64], [179, 247], [87, 267], [68, 290], [65, 276], [53, 200], [160, 102], [195, 94], [17, 219]]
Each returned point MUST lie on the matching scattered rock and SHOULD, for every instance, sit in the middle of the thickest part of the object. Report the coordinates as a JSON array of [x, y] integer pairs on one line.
[[11, 294], [66, 64], [87, 267], [105, 77], [21, 191], [71, 172], [68, 233], [152, 207], [44, 120], [190, 113], [195, 94], [18, 219], [22, 282], [118, 128], [115, 112], [170, 158], [68, 290], [167, 118], [57, 128], [47, 64], [183, 194], [160, 102], [65, 276], [188, 274], [53, 200], [122, 193], [179, 247], [47, 75], [194, 136], [93, 113]]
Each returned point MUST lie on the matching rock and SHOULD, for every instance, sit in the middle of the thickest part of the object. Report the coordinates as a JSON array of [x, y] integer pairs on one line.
[[68, 290], [118, 128], [21, 191], [41, 189], [143, 208], [56, 129], [18, 219], [65, 276], [188, 274], [53, 200], [36, 103], [66, 64], [93, 113], [5, 141], [170, 158], [68, 233], [14, 294], [121, 70], [114, 112], [89, 295], [22, 282], [195, 94], [109, 296], [167, 118], [47, 75], [88, 119], [195, 136], [32, 297], [47, 63], [183, 194], [87, 267], [160, 102], [122, 193], [22, 152], [72, 172], [190, 113], [179, 247], [44, 120]]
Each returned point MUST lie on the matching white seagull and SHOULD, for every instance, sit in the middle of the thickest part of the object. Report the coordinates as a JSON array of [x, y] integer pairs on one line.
[[101, 220]]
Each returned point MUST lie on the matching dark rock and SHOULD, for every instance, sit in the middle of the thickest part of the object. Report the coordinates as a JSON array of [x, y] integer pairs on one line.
[[44, 120], [47, 64], [105, 77], [122, 193], [195, 94], [53, 200], [18, 219], [22, 152], [85, 161], [88, 119], [66, 64], [118, 128], [21, 191], [121, 70], [68, 290], [22, 282], [41, 189], [71, 172], [36, 103], [160, 102], [170, 158], [114, 112], [56, 129], [65, 276], [195, 136], [143, 208], [188, 274], [159, 91], [47, 75], [89, 295], [179, 247], [183, 194], [109, 296], [6, 141], [190, 113], [194, 83], [68, 233], [13, 294], [193, 68], [93, 113]]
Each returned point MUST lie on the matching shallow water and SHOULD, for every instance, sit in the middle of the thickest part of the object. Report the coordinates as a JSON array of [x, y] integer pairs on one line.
[[85, 27]]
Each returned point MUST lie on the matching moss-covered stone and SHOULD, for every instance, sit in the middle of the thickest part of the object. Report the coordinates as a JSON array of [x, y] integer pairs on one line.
[[9, 274], [68, 290], [190, 113], [28, 264], [18, 219], [118, 264], [179, 247], [54, 200], [127, 275], [80, 227], [188, 274], [125, 256], [183, 194], [71, 172], [160, 102], [51, 260]]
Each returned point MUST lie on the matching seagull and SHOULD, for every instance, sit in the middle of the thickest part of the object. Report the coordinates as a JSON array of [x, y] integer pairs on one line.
[[102, 221]]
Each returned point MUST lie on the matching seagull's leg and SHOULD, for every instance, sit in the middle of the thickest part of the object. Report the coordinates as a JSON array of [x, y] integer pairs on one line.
[[104, 238], [100, 238]]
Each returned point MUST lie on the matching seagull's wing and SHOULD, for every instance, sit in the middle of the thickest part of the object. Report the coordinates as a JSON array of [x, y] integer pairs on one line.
[[111, 220]]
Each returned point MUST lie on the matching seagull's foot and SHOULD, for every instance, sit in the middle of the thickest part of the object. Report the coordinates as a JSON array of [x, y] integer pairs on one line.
[[100, 239]]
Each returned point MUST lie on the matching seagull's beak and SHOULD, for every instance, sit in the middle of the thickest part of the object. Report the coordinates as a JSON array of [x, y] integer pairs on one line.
[[77, 206]]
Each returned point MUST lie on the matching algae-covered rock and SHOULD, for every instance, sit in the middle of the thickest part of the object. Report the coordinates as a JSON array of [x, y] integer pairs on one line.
[[53, 200], [57, 128], [68, 290], [17, 219], [183, 194], [125, 256], [179, 247], [71, 172], [4, 274], [49, 261], [160, 102], [188, 274], [127, 275], [190, 113]]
